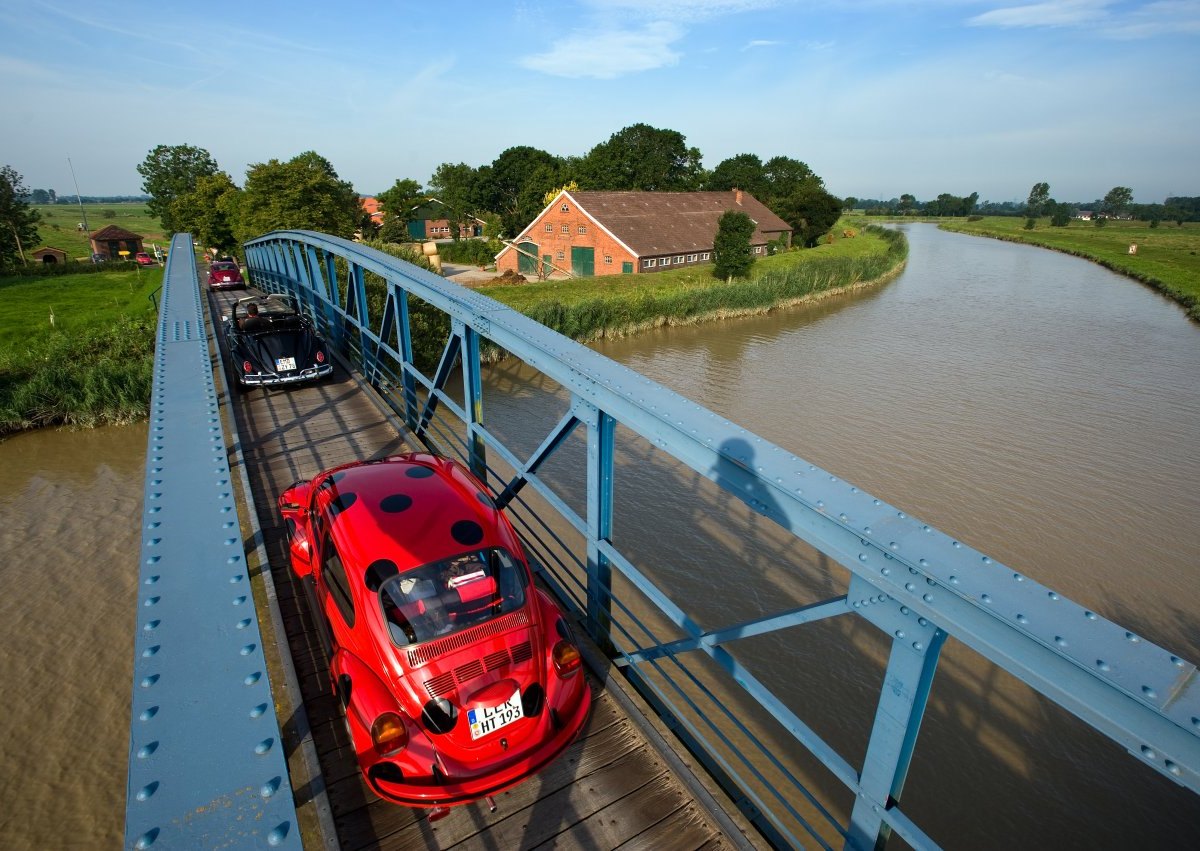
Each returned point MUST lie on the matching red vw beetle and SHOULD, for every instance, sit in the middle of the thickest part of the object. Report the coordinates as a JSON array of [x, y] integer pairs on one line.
[[459, 678]]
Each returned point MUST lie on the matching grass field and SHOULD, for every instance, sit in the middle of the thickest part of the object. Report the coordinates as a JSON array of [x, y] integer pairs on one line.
[[92, 364], [1167, 258], [59, 225]]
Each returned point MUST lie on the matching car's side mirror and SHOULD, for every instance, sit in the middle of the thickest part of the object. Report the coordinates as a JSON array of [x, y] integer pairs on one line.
[[293, 505]]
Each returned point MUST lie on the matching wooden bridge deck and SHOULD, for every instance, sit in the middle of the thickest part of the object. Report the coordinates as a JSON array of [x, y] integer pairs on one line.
[[612, 789]]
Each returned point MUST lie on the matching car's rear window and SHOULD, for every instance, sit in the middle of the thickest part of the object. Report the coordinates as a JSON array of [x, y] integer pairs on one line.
[[224, 267], [447, 596]]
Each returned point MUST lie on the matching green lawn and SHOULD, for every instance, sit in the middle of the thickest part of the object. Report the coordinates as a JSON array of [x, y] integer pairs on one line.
[[1167, 258], [59, 225], [75, 301]]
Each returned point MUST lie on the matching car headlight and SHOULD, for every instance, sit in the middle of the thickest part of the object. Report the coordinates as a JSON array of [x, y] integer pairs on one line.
[[388, 734]]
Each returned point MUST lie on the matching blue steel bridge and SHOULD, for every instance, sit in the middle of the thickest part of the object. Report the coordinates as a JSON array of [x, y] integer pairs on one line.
[[694, 742]]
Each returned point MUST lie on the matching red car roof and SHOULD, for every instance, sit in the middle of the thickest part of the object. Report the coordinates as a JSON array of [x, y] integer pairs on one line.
[[412, 510]]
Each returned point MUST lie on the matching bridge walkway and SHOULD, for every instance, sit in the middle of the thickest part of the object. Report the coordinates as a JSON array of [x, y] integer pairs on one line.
[[612, 789]]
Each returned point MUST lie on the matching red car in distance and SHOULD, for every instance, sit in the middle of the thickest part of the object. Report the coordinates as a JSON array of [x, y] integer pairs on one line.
[[225, 275], [143, 259], [459, 678]]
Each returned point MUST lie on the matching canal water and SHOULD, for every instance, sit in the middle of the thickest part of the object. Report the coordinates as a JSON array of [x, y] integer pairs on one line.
[[1034, 405], [70, 502]]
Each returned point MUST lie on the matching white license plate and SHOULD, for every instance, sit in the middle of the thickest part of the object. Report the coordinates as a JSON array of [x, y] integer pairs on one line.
[[282, 364], [488, 719]]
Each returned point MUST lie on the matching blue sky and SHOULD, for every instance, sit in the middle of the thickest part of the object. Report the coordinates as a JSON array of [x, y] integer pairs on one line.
[[879, 97]]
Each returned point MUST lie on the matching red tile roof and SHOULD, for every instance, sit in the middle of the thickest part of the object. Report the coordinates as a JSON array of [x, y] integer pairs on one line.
[[114, 232]]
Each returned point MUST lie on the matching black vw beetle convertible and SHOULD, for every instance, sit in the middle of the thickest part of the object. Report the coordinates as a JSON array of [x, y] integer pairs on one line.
[[269, 342]]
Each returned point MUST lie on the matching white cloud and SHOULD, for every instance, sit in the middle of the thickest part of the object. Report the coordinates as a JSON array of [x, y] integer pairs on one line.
[[609, 54], [1179, 17], [761, 42], [1061, 13]]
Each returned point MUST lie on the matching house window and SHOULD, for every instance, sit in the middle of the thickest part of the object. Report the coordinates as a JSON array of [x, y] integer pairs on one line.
[[649, 263], [666, 261], [560, 255], [549, 228], [565, 208], [704, 256], [608, 259], [758, 249], [679, 259], [566, 228], [583, 228], [691, 258]]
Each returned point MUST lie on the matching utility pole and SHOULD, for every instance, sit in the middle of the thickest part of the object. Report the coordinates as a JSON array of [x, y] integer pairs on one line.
[[86, 229]]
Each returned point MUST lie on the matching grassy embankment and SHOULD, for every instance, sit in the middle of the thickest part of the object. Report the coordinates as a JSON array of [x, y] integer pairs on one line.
[[76, 349], [1167, 259], [617, 305]]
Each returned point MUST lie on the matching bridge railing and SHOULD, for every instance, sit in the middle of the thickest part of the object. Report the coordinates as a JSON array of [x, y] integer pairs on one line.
[[206, 765], [914, 585]]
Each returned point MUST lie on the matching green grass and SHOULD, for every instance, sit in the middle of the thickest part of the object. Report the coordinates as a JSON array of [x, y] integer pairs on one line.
[[58, 227], [1167, 259], [93, 365], [614, 305]]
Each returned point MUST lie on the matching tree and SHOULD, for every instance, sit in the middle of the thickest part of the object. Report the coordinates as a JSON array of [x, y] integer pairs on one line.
[[40, 196], [1117, 199], [732, 257], [515, 183], [401, 198], [811, 211], [745, 171], [1060, 214], [302, 193], [849, 203], [786, 175], [1038, 196], [907, 202], [170, 171], [208, 212], [18, 223], [642, 157]]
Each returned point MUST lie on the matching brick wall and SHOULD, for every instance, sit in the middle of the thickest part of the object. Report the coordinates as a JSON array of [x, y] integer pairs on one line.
[[555, 242]]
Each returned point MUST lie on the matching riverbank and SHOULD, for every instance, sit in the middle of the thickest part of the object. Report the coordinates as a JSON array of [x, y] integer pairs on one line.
[[1167, 257], [619, 305], [76, 349]]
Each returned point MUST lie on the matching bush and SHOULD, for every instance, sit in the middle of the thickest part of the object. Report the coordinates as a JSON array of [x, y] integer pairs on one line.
[[476, 252], [71, 267]]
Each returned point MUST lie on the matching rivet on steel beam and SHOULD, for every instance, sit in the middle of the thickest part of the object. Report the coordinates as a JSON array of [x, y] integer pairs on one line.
[[151, 625], [151, 651], [248, 649], [150, 580], [148, 713], [237, 601], [147, 790], [237, 577], [150, 601], [1148, 752], [146, 839], [270, 787], [147, 749], [257, 711], [987, 598], [264, 746], [1149, 692], [243, 623]]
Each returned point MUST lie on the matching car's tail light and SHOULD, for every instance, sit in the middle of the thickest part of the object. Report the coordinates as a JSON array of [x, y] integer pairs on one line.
[[246, 367], [388, 734], [320, 357], [567, 659]]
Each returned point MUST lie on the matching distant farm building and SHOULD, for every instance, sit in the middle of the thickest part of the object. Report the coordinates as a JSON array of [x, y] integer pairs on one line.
[[430, 221], [49, 255], [110, 241], [580, 234]]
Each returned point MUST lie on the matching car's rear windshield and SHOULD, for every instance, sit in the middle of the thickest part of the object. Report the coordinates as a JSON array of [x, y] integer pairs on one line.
[[224, 267], [447, 596]]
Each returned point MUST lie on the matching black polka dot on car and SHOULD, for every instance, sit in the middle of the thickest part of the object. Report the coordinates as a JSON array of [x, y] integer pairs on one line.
[[341, 502], [467, 532], [396, 503], [418, 472], [379, 572]]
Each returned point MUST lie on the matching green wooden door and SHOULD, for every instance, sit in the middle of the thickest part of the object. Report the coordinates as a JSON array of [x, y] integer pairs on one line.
[[527, 258], [626, 268], [583, 261]]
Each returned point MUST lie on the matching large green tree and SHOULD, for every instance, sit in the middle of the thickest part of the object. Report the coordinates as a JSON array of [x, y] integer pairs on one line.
[[303, 193], [170, 171], [1117, 200], [207, 213], [642, 157], [785, 176], [18, 222], [744, 171], [401, 198], [732, 256], [811, 211], [516, 182]]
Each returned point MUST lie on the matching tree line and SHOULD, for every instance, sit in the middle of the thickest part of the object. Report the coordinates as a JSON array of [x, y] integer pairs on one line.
[[189, 191]]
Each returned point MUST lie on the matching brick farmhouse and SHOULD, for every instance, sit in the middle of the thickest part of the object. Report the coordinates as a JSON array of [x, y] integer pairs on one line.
[[580, 234]]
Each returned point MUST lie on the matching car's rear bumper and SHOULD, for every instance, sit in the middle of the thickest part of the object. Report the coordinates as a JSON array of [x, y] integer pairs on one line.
[[310, 374], [226, 285]]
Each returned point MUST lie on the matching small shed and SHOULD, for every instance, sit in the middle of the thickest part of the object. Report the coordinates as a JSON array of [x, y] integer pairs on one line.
[[110, 241], [49, 255]]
